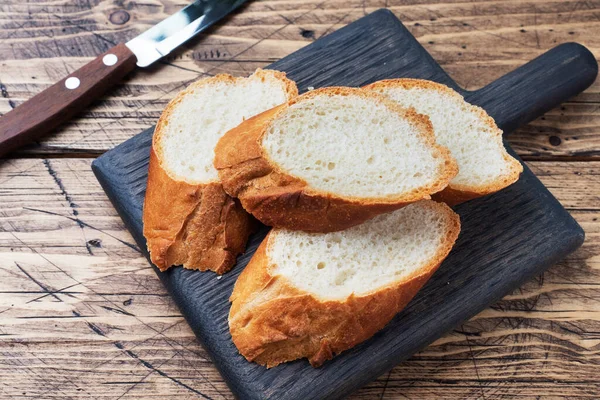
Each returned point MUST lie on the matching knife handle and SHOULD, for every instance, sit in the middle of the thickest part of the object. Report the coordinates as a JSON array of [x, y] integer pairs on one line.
[[61, 101]]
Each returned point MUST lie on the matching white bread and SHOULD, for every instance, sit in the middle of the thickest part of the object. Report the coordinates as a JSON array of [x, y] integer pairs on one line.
[[315, 295], [472, 136], [188, 219], [331, 159]]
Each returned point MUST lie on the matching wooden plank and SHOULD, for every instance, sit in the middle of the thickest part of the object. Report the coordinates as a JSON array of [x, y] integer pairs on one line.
[[72, 295], [475, 42], [506, 238], [493, 358]]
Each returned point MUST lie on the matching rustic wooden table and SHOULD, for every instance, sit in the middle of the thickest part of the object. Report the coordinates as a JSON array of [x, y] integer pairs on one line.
[[83, 315]]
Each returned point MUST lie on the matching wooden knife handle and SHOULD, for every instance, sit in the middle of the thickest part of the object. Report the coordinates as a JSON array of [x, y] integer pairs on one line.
[[61, 101]]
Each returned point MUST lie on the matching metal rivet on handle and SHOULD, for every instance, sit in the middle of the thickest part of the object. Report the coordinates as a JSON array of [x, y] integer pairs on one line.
[[110, 59], [72, 83]]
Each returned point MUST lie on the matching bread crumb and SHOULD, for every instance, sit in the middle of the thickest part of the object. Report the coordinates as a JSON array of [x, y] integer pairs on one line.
[[311, 88], [359, 260]]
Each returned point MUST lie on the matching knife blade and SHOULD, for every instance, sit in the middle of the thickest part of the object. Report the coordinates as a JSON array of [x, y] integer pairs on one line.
[[175, 30], [61, 101]]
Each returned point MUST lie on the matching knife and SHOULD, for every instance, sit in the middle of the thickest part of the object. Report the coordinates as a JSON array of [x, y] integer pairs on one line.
[[61, 101]]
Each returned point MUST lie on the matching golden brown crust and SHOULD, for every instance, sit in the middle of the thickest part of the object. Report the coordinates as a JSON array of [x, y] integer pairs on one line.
[[455, 193], [197, 226], [278, 199], [453, 197], [271, 321], [194, 224]]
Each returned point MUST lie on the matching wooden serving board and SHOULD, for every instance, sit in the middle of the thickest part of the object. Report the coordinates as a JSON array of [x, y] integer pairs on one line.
[[506, 238]]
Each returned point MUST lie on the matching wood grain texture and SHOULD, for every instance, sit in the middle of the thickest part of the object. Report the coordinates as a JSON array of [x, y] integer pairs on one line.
[[541, 340], [506, 238], [475, 42]]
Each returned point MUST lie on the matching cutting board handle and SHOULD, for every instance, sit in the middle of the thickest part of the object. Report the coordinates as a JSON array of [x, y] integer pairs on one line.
[[538, 86]]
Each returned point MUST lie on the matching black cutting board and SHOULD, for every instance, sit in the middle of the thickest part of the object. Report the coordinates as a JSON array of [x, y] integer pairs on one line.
[[506, 238]]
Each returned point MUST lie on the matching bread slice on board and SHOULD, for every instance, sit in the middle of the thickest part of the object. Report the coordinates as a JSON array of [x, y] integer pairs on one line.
[[188, 218], [472, 136], [331, 159], [315, 295]]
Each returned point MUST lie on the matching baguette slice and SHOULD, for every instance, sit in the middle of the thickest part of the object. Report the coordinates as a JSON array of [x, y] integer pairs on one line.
[[472, 136], [188, 218], [315, 295], [331, 159]]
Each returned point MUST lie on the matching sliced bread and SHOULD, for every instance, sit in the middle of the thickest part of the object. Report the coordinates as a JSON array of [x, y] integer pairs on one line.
[[331, 159], [188, 218], [315, 295], [472, 136]]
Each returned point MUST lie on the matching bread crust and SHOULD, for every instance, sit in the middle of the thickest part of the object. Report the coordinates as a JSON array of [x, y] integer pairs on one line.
[[271, 321], [454, 193], [281, 200], [194, 224]]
